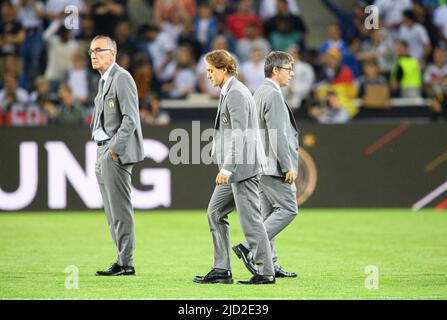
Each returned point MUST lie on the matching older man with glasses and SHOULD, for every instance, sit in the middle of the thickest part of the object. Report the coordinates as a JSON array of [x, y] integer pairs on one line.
[[116, 129]]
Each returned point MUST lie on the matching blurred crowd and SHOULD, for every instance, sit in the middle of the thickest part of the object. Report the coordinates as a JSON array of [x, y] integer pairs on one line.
[[46, 77]]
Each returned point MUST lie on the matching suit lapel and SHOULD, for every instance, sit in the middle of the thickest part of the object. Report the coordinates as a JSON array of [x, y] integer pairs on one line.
[[98, 105], [106, 88], [221, 101], [292, 118], [109, 80], [216, 121]]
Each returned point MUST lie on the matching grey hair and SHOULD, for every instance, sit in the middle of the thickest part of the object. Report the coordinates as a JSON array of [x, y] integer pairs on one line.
[[276, 59], [111, 44]]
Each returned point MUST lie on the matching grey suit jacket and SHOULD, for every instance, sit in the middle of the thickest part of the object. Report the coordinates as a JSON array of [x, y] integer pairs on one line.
[[238, 145], [117, 107], [277, 123]]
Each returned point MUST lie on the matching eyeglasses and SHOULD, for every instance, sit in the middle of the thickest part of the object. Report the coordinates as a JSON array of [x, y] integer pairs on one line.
[[289, 70], [97, 50]]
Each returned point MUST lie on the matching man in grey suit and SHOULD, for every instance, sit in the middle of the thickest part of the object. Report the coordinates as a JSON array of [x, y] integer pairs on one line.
[[116, 129], [278, 190], [241, 160]]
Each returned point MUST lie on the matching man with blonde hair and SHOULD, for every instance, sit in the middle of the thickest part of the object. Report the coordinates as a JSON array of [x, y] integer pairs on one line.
[[241, 161]]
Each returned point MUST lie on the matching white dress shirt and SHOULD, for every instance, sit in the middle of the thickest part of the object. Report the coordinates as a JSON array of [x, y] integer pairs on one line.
[[98, 133]]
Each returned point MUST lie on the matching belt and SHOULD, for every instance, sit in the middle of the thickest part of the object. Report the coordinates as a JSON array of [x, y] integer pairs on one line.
[[101, 143]]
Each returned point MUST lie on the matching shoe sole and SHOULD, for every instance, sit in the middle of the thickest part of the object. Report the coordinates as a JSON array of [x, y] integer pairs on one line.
[[244, 260], [222, 281], [115, 274], [258, 283], [282, 276]]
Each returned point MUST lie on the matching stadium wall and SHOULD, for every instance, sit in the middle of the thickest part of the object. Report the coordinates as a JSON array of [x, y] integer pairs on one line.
[[353, 165]]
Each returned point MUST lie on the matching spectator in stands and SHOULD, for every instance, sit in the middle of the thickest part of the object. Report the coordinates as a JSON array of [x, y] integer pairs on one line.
[[143, 73], [170, 17], [123, 38], [373, 83], [405, 77], [86, 34], [350, 57], [158, 45], [10, 64], [139, 12], [55, 9], [221, 10], [379, 47], [204, 85], [251, 40], [107, 14], [440, 21], [269, 8], [31, 14], [390, 13], [416, 36], [285, 29], [11, 93], [42, 94], [236, 22], [12, 34], [124, 60], [60, 51], [339, 78], [335, 72], [424, 16], [251, 72], [331, 112], [164, 9], [351, 22], [435, 83], [188, 38], [205, 26], [335, 41], [68, 111], [151, 113], [301, 84], [81, 82], [184, 79]]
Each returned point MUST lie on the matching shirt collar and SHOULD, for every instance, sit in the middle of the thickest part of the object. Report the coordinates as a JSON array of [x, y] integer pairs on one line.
[[225, 86], [106, 74], [276, 85]]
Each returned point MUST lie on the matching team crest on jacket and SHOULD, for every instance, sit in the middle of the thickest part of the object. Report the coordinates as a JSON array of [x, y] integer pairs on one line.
[[110, 103], [224, 118]]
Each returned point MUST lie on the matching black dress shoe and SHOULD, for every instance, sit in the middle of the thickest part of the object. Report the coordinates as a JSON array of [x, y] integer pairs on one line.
[[281, 273], [246, 256], [259, 279], [117, 270], [215, 276]]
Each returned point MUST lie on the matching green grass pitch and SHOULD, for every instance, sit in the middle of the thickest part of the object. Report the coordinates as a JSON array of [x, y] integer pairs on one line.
[[329, 249]]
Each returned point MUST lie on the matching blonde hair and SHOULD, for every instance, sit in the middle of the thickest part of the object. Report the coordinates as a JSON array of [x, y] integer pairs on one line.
[[222, 59]]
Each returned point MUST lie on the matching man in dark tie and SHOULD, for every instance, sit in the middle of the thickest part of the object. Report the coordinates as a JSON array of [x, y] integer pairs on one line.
[[277, 187], [117, 131]]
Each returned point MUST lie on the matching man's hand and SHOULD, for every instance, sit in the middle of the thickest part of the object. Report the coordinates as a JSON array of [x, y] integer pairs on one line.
[[290, 176], [114, 155], [222, 179]]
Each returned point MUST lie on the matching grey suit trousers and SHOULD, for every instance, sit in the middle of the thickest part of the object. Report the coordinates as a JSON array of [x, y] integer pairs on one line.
[[244, 196], [278, 207], [114, 181]]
